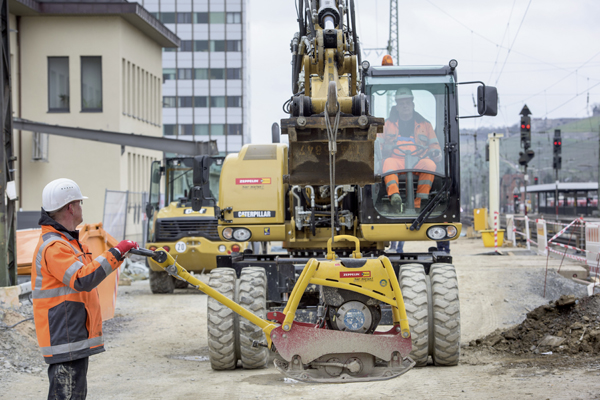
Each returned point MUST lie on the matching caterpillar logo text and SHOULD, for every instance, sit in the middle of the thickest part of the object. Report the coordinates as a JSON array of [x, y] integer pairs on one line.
[[253, 181], [355, 274]]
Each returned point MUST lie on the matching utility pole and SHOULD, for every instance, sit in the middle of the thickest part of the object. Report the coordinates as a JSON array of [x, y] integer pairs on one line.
[[8, 261], [392, 47], [526, 155]]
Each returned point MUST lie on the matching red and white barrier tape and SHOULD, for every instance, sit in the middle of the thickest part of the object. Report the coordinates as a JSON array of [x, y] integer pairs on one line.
[[569, 247], [496, 231], [564, 229], [567, 255]]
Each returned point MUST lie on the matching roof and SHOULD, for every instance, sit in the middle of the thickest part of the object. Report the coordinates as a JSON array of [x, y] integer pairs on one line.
[[133, 13], [562, 187]]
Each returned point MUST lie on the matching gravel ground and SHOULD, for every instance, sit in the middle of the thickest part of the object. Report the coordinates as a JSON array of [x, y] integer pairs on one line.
[[157, 345]]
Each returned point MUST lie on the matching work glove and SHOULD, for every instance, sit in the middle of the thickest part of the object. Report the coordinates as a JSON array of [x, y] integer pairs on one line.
[[125, 245], [396, 200]]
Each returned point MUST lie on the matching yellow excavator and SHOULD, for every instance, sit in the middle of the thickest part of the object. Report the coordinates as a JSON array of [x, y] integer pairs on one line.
[[351, 180]]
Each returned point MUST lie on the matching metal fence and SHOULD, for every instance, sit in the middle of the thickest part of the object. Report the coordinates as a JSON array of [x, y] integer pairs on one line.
[[124, 215]]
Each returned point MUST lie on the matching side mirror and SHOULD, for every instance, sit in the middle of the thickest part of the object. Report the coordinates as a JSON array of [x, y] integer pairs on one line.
[[149, 210], [487, 100], [156, 176], [201, 181]]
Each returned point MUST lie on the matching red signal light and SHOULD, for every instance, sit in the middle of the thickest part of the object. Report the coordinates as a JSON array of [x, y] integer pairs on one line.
[[528, 126], [522, 126]]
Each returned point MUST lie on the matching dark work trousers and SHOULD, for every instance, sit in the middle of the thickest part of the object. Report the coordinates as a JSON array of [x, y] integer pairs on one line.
[[68, 380]]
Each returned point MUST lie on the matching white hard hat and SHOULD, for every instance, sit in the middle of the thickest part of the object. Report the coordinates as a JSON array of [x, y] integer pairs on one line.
[[59, 193], [404, 93]]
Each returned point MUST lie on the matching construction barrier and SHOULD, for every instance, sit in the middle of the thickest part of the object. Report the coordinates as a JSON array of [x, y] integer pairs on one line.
[[542, 236]]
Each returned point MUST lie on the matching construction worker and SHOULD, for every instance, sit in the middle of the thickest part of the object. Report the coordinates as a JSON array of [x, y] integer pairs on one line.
[[406, 132], [66, 307]]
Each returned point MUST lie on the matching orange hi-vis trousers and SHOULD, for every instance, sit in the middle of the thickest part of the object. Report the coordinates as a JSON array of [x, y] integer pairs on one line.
[[425, 179]]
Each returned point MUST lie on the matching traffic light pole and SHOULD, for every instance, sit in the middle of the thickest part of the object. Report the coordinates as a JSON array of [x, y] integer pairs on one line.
[[525, 178], [556, 193]]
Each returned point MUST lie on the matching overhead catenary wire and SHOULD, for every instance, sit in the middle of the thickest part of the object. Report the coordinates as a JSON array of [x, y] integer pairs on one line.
[[514, 40]]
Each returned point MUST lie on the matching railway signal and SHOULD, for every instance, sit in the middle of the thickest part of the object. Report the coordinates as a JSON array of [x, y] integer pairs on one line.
[[557, 148]]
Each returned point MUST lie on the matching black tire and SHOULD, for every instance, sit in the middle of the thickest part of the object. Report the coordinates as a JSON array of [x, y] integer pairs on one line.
[[413, 284], [180, 284], [221, 321], [446, 315], [161, 282], [252, 295]]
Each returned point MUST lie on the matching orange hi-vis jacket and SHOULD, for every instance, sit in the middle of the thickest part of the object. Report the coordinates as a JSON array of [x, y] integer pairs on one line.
[[423, 135], [66, 306]]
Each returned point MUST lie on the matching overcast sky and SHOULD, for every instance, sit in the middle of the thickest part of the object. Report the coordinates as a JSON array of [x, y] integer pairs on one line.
[[543, 53]]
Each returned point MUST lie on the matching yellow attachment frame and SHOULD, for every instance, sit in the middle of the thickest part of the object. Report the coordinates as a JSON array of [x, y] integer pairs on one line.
[[180, 273], [379, 273]]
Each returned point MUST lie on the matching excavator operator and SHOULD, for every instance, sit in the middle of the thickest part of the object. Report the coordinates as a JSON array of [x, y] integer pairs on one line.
[[410, 143]]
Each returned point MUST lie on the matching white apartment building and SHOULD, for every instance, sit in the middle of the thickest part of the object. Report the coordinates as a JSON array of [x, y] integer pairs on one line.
[[205, 81], [85, 64]]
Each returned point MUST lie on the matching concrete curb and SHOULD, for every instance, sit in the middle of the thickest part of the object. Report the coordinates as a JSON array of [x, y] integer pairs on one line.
[[9, 296]]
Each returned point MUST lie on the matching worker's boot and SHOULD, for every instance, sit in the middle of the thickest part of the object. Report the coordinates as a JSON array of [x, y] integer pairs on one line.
[[396, 202]]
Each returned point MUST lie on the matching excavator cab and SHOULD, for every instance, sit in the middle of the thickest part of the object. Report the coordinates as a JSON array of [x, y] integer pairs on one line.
[[417, 155]]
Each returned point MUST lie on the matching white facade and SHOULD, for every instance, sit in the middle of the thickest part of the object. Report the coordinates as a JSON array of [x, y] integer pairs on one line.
[[205, 82], [100, 71]]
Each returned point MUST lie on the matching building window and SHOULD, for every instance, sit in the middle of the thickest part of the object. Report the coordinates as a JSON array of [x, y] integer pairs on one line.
[[184, 73], [91, 83], [217, 130], [201, 129], [201, 18], [201, 45], [234, 45], [186, 45], [201, 73], [169, 130], [217, 73], [169, 49], [201, 101], [184, 18], [58, 84], [167, 17], [217, 17], [234, 101], [234, 18], [234, 129], [187, 129], [217, 101], [217, 45], [185, 101], [169, 102], [234, 73], [168, 74]]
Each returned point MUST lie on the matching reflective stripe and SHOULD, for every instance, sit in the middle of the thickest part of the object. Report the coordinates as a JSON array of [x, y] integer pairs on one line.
[[390, 182], [76, 266], [425, 182], [423, 195], [38, 293], [72, 347], [49, 293], [104, 264]]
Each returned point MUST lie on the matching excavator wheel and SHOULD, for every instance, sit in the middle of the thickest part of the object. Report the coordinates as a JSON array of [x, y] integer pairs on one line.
[[252, 295], [413, 284], [446, 314], [180, 284], [222, 321], [161, 282]]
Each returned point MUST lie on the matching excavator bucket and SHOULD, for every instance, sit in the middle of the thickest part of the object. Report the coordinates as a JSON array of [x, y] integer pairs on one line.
[[309, 150]]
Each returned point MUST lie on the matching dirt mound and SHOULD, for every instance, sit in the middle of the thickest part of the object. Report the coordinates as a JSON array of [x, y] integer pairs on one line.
[[566, 326], [19, 351]]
